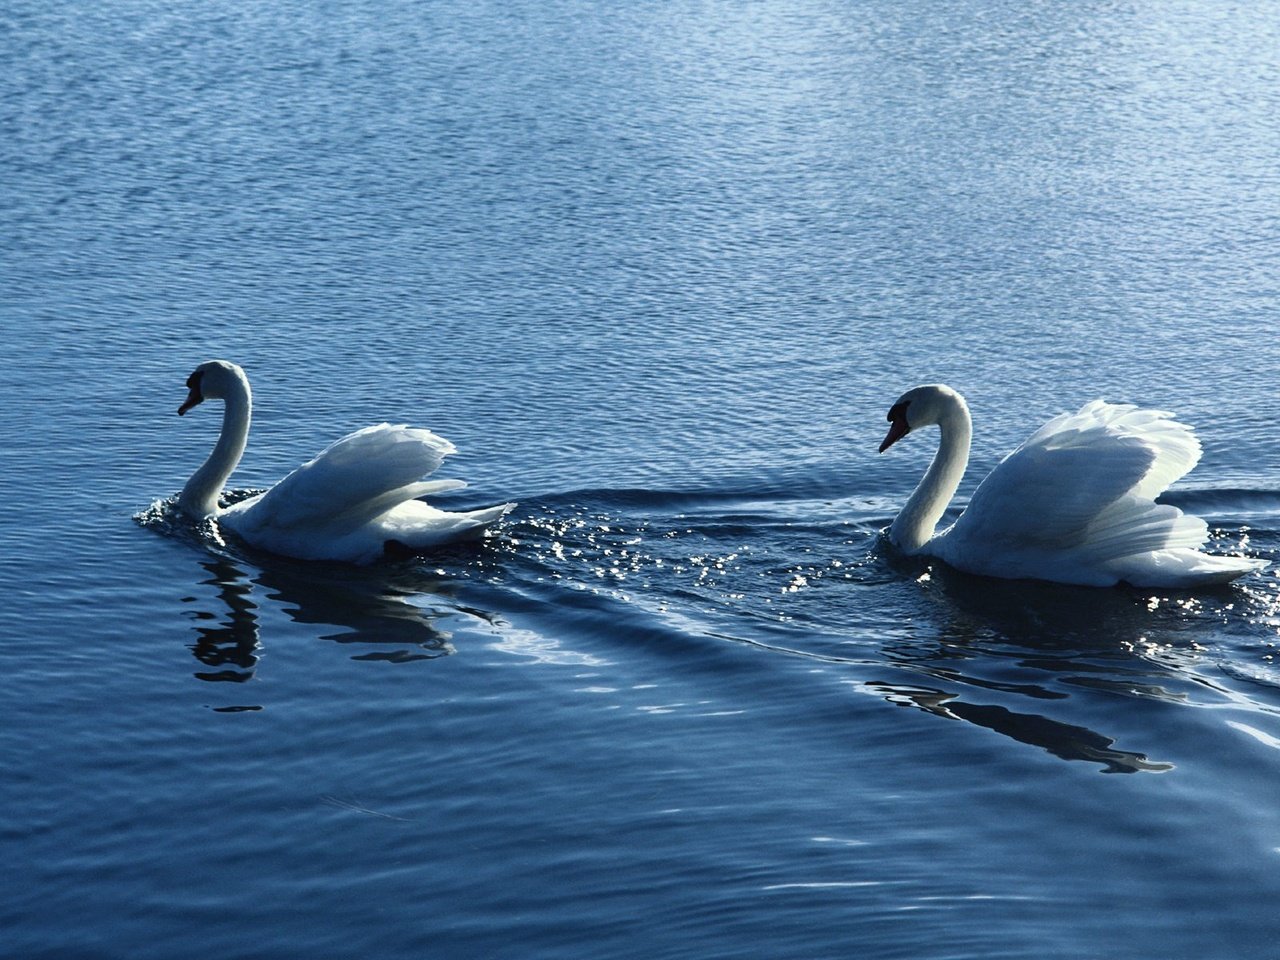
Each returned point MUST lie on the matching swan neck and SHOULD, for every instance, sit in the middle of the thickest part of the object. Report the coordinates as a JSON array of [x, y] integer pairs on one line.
[[915, 524], [199, 497]]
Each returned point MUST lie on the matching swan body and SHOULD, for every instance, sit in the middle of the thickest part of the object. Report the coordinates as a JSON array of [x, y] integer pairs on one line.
[[1074, 504], [353, 502]]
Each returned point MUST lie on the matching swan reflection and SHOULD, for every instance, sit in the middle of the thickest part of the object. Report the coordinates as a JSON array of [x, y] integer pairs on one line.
[[1041, 641], [378, 608], [230, 649], [383, 615], [1064, 740]]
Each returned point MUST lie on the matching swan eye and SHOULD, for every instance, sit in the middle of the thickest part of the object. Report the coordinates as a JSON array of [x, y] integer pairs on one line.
[[898, 411], [193, 381]]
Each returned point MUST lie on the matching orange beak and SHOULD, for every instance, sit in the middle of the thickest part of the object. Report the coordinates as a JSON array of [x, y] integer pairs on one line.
[[898, 426]]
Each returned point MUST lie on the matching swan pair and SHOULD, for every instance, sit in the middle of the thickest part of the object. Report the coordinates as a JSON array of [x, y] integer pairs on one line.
[[1074, 504]]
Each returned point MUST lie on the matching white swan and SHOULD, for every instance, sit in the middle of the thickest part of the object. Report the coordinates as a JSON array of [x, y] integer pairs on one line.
[[355, 501], [1074, 504]]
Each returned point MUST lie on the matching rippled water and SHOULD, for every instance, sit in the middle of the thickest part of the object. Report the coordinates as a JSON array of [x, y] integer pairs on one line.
[[658, 270]]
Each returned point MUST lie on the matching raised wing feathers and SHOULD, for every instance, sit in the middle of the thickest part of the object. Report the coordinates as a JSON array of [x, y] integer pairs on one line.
[[1174, 446], [1087, 480], [357, 478]]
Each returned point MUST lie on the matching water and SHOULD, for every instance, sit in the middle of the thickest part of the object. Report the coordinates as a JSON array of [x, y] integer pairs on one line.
[[658, 270]]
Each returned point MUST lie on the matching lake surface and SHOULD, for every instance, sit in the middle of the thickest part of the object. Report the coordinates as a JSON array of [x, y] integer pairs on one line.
[[658, 270]]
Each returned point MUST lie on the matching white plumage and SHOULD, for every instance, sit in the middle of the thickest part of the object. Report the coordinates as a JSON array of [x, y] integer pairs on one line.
[[352, 502], [1074, 504]]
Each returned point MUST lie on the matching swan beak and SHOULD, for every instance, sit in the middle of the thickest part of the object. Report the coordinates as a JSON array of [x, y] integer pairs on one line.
[[193, 398], [898, 426]]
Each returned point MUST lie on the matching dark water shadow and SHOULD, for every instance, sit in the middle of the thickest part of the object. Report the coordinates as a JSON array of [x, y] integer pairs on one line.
[[1018, 658], [1048, 643]]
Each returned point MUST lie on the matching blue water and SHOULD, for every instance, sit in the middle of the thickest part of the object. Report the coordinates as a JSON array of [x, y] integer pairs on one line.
[[658, 270]]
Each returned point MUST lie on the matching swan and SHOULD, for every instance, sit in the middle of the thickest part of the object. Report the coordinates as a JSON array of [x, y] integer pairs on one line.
[[355, 501], [1074, 504]]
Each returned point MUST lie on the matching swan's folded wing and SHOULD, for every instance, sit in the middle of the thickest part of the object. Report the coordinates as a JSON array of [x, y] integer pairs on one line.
[[1088, 479], [357, 478]]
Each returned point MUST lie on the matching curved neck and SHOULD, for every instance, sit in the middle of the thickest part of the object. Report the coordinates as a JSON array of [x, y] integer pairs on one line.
[[199, 497], [915, 523]]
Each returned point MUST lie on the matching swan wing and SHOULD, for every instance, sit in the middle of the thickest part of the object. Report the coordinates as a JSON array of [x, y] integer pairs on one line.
[[1174, 448], [355, 479], [1087, 481]]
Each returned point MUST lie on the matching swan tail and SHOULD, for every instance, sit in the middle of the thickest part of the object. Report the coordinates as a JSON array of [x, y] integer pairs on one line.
[[475, 522], [419, 525], [1183, 568], [487, 515], [1148, 544]]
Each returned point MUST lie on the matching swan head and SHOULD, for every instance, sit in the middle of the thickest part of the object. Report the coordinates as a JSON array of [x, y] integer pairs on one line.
[[213, 380], [923, 406]]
